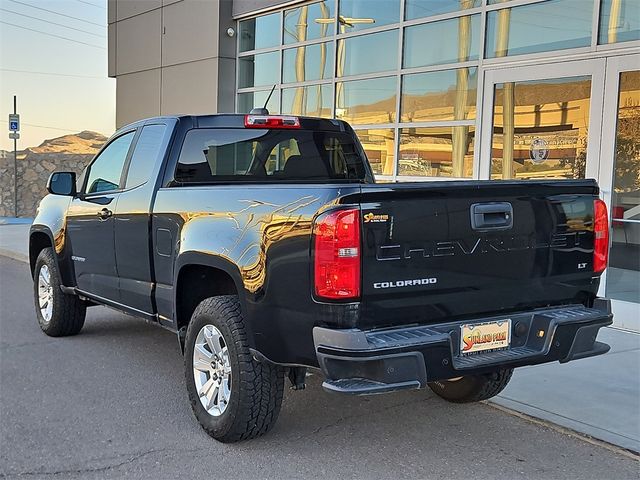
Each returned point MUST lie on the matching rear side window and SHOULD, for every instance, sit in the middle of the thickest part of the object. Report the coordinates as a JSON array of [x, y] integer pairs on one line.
[[217, 154], [145, 155]]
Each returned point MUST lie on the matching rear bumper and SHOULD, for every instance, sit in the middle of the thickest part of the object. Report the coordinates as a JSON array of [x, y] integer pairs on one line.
[[378, 361]]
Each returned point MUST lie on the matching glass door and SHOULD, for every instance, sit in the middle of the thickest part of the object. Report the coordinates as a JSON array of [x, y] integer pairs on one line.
[[542, 121], [620, 182]]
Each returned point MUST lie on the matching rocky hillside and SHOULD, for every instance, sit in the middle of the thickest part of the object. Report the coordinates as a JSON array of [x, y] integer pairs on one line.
[[83, 143]]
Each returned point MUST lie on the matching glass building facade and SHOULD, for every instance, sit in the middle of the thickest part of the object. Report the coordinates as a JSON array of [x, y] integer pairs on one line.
[[468, 89]]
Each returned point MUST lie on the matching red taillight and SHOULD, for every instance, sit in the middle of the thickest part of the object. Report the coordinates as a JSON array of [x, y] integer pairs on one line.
[[337, 254], [600, 236], [271, 121]]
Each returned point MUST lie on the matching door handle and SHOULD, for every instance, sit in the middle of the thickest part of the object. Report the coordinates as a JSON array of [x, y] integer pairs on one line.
[[104, 214], [492, 216]]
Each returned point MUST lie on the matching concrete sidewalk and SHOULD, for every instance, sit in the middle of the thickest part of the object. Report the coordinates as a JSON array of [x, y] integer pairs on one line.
[[15, 221], [597, 396], [14, 241]]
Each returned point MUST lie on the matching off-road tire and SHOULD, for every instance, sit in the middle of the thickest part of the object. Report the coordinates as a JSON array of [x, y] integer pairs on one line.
[[256, 387], [68, 312], [473, 388]]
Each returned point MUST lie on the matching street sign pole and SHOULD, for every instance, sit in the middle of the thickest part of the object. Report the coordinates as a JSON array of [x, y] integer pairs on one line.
[[14, 134], [15, 164]]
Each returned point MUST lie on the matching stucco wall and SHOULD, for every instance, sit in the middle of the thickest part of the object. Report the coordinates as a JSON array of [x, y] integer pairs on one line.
[[171, 57]]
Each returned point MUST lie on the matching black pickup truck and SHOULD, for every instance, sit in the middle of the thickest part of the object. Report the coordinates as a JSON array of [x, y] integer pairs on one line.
[[266, 244]]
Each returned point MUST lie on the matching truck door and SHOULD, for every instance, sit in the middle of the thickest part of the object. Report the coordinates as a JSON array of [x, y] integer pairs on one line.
[[90, 223], [133, 245]]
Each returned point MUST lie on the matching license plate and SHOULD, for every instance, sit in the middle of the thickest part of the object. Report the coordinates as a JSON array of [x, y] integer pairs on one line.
[[483, 337]]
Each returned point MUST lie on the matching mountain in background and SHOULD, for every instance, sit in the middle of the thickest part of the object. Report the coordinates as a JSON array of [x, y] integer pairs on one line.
[[82, 143]]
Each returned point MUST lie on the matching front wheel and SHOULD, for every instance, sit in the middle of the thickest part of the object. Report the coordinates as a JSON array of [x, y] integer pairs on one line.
[[233, 396], [59, 314], [473, 388]]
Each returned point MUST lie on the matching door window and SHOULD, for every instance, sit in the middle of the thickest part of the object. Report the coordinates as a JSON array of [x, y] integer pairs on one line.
[[106, 170], [145, 155], [540, 128], [623, 275]]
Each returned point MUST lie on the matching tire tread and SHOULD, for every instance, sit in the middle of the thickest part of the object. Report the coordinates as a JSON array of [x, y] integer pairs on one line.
[[262, 383], [480, 387], [69, 311]]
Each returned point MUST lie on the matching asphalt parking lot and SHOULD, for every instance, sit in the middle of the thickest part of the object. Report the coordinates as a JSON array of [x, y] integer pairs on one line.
[[111, 403]]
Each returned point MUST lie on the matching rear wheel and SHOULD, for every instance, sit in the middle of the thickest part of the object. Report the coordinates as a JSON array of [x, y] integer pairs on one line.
[[473, 388], [59, 314], [233, 396]]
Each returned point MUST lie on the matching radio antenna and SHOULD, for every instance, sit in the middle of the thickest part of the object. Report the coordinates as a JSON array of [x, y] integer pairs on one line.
[[269, 97]]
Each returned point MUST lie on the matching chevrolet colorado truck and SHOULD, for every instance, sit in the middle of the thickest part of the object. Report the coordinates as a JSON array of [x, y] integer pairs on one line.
[[264, 242]]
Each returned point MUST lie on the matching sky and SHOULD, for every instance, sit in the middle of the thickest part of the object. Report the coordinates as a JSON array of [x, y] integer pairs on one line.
[[57, 67]]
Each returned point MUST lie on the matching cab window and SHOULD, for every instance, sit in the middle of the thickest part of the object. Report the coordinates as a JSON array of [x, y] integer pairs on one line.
[[228, 155]]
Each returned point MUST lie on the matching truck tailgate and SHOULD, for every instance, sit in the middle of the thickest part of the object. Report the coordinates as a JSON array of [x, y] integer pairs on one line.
[[447, 250]]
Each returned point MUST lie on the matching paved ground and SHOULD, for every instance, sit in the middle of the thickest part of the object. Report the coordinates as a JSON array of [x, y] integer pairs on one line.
[[599, 396], [110, 403]]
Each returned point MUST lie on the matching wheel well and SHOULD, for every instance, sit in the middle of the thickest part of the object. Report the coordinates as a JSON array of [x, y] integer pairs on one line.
[[37, 242], [197, 282]]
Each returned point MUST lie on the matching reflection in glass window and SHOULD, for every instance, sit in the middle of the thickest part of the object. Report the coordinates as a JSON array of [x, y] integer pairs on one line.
[[619, 21], [257, 70], [145, 155], [379, 145], [540, 128], [309, 22], [541, 27], [445, 95], [626, 182], [436, 152], [249, 100], [312, 100], [259, 32], [359, 15], [623, 274], [313, 62], [106, 169], [446, 41], [426, 8], [377, 52], [367, 101]]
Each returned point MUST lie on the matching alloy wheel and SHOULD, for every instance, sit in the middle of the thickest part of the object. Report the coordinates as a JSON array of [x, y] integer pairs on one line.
[[212, 370], [45, 293]]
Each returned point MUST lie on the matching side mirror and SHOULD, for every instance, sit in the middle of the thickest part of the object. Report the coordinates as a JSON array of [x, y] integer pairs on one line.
[[62, 183]]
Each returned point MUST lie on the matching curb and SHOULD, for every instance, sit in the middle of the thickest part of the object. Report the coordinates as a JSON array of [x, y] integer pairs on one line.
[[20, 257]]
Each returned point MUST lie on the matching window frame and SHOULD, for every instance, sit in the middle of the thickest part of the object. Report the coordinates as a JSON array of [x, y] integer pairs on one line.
[[484, 65]]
